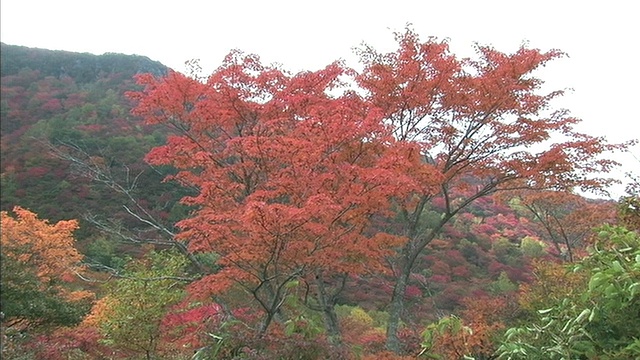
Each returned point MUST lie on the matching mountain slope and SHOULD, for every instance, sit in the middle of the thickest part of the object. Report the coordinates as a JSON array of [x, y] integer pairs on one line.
[[82, 67], [51, 98]]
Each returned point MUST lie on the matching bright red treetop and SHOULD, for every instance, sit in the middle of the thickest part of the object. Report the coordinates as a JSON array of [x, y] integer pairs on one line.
[[482, 119]]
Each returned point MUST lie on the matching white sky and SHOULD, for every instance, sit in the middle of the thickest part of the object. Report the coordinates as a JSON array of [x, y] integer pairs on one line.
[[600, 37]]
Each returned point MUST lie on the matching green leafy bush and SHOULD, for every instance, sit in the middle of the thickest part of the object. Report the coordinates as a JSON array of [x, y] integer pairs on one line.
[[602, 322]]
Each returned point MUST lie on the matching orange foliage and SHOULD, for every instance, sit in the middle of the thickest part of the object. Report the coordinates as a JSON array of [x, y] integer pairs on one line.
[[98, 313], [358, 329], [552, 283], [477, 117], [481, 321], [485, 317], [48, 248], [288, 171], [477, 121]]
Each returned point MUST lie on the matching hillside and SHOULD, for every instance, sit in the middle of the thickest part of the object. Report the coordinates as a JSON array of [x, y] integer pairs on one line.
[[54, 100]]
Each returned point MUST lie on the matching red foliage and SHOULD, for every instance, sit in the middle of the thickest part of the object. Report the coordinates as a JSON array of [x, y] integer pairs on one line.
[[520, 274], [450, 298], [477, 121], [52, 105], [37, 171], [495, 268], [369, 292], [440, 267], [566, 220], [288, 176], [65, 343], [453, 257], [462, 272], [187, 328], [481, 320], [441, 279], [412, 292], [75, 99]]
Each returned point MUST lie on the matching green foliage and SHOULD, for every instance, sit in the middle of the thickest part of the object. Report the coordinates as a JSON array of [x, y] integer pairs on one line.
[[603, 322], [208, 259], [9, 185], [507, 252], [104, 251], [503, 284], [372, 318], [560, 333], [532, 248], [69, 98], [309, 327], [21, 298], [303, 322], [614, 289], [212, 351], [138, 302], [82, 67], [80, 99], [448, 326]]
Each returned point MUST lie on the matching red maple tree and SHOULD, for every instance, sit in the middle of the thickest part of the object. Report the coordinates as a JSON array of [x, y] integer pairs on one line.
[[288, 170], [287, 175], [483, 124]]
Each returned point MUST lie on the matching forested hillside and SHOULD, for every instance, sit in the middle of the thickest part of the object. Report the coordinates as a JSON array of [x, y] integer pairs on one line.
[[54, 100], [258, 214]]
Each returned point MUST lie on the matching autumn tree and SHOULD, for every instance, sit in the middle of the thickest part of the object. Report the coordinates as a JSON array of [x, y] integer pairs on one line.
[[130, 315], [288, 171], [483, 124], [566, 219], [38, 261]]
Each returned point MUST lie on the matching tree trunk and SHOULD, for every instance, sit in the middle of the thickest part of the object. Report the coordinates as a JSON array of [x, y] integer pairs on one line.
[[396, 308], [407, 259], [272, 306], [327, 305], [265, 324], [332, 326]]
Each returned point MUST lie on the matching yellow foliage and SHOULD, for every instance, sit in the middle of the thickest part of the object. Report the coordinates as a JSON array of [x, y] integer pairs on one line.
[[359, 316]]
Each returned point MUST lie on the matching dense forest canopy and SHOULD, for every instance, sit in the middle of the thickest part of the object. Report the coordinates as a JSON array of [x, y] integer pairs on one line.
[[262, 214]]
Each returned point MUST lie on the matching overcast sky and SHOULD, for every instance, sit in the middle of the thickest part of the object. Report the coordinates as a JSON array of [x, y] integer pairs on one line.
[[601, 38]]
